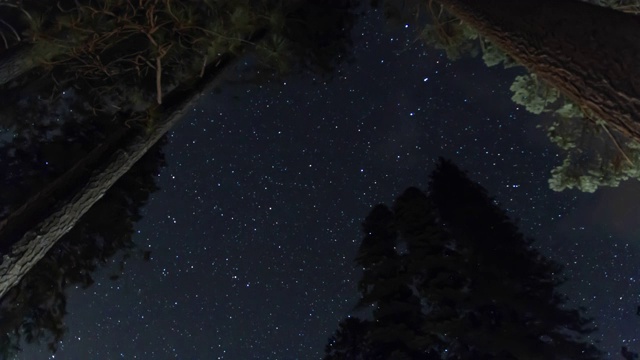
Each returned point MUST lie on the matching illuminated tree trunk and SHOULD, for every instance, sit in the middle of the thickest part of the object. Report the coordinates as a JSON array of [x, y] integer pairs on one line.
[[590, 53], [47, 224], [38, 239]]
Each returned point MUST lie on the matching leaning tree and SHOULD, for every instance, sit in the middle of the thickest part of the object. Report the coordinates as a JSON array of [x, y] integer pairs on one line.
[[146, 66]]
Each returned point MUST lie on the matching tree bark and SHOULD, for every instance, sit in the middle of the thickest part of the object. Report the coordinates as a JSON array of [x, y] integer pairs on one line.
[[35, 243], [37, 240], [35, 209], [589, 53]]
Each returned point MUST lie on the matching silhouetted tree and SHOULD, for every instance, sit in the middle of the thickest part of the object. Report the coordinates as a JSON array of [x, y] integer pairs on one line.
[[385, 289], [512, 287], [434, 263], [467, 283]]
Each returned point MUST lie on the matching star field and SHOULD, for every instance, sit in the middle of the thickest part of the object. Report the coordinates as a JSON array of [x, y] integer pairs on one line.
[[257, 222]]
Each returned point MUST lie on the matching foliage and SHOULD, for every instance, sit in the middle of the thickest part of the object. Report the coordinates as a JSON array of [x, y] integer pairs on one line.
[[137, 51], [468, 284], [125, 57], [451, 35], [533, 94], [594, 154], [493, 55]]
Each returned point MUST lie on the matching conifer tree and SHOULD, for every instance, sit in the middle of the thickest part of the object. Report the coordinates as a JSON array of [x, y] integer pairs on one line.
[[385, 288], [467, 283], [512, 286]]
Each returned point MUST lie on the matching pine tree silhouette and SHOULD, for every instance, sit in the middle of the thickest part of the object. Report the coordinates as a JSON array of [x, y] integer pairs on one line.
[[385, 288], [448, 275], [513, 305]]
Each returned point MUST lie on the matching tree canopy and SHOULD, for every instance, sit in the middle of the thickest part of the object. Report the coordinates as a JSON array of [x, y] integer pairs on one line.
[[595, 153]]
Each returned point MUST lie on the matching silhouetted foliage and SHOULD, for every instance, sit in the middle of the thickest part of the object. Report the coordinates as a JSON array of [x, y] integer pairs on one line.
[[138, 53], [312, 38], [385, 289], [350, 341], [448, 275]]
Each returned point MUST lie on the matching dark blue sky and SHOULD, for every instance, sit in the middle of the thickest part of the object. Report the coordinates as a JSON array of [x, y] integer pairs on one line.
[[254, 230]]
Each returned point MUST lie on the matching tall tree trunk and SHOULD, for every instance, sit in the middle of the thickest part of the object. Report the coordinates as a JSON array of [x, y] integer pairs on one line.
[[36, 241], [39, 205], [590, 53]]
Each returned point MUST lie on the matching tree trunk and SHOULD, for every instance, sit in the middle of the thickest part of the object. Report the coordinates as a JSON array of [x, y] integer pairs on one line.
[[36, 207], [589, 53], [36, 241]]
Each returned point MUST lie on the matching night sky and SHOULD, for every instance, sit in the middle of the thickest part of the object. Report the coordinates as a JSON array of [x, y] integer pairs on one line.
[[258, 218]]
